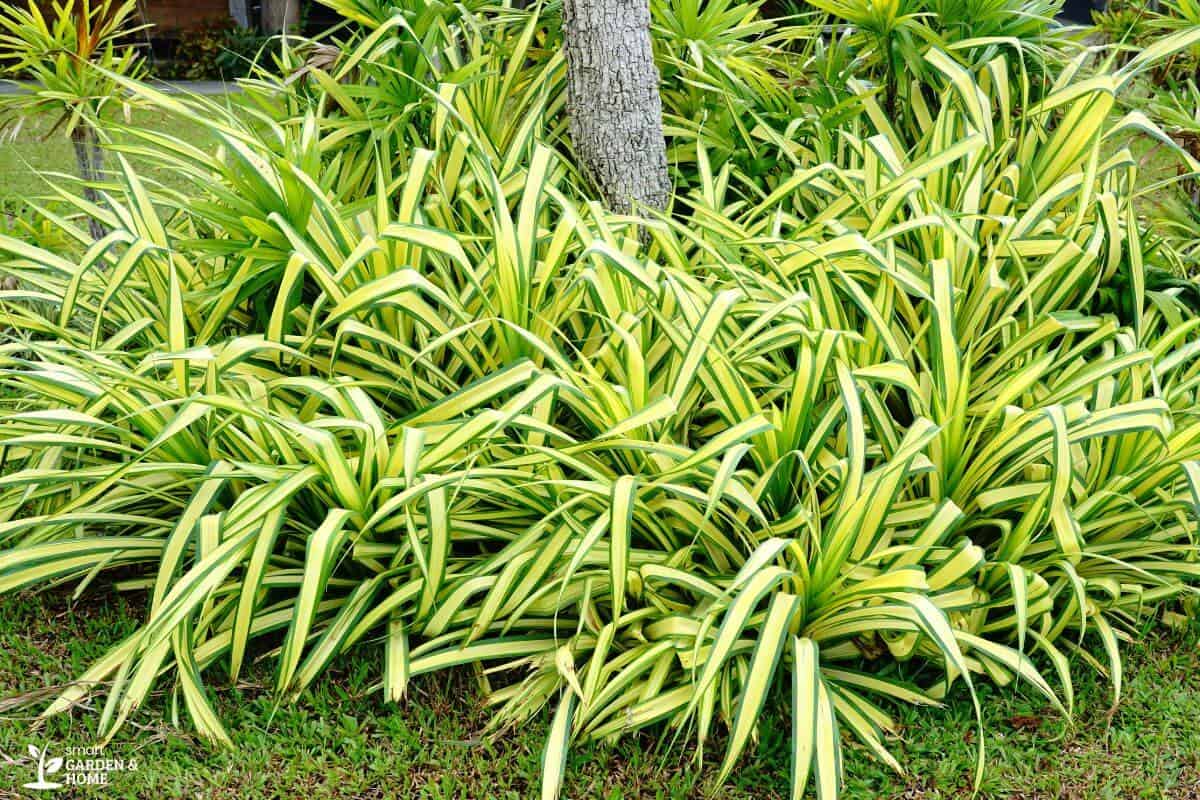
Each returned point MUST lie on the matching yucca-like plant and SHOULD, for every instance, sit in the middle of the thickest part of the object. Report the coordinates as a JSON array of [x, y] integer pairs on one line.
[[893, 36], [423, 395], [1129, 26], [74, 56]]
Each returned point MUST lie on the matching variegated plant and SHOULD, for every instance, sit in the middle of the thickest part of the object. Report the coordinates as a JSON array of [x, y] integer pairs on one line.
[[425, 395]]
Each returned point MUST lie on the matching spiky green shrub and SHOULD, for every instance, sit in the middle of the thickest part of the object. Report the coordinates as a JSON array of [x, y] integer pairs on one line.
[[865, 424], [1127, 27], [892, 37], [74, 55]]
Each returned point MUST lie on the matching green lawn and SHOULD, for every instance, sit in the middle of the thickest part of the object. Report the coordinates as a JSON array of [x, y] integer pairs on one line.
[[40, 148], [341, 742]]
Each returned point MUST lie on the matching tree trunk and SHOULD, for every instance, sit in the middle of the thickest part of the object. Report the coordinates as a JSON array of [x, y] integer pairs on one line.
[[90, 160], [280, 16], [239, 12], [613, 101]]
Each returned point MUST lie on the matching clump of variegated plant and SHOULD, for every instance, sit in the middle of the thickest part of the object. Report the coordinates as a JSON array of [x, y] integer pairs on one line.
[[426, 395]]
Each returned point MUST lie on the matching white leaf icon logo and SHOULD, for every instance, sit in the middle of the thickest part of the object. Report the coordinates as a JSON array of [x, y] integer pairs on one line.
[[44, 767]]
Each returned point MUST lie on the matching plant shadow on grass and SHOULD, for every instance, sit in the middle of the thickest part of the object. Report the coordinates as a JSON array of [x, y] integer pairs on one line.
[[341, 741]]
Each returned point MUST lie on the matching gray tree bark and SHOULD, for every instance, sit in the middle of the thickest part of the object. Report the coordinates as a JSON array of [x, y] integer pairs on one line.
[[90, 160], [280, 16], [239, 11], [613, 101]]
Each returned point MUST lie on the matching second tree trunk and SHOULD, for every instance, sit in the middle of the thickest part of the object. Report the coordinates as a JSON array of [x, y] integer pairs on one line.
[[280, 16], [90, 160]]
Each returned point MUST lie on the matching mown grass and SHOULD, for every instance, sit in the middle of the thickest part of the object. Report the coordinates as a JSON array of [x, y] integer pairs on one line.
[[342, 742], [38, 149]]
